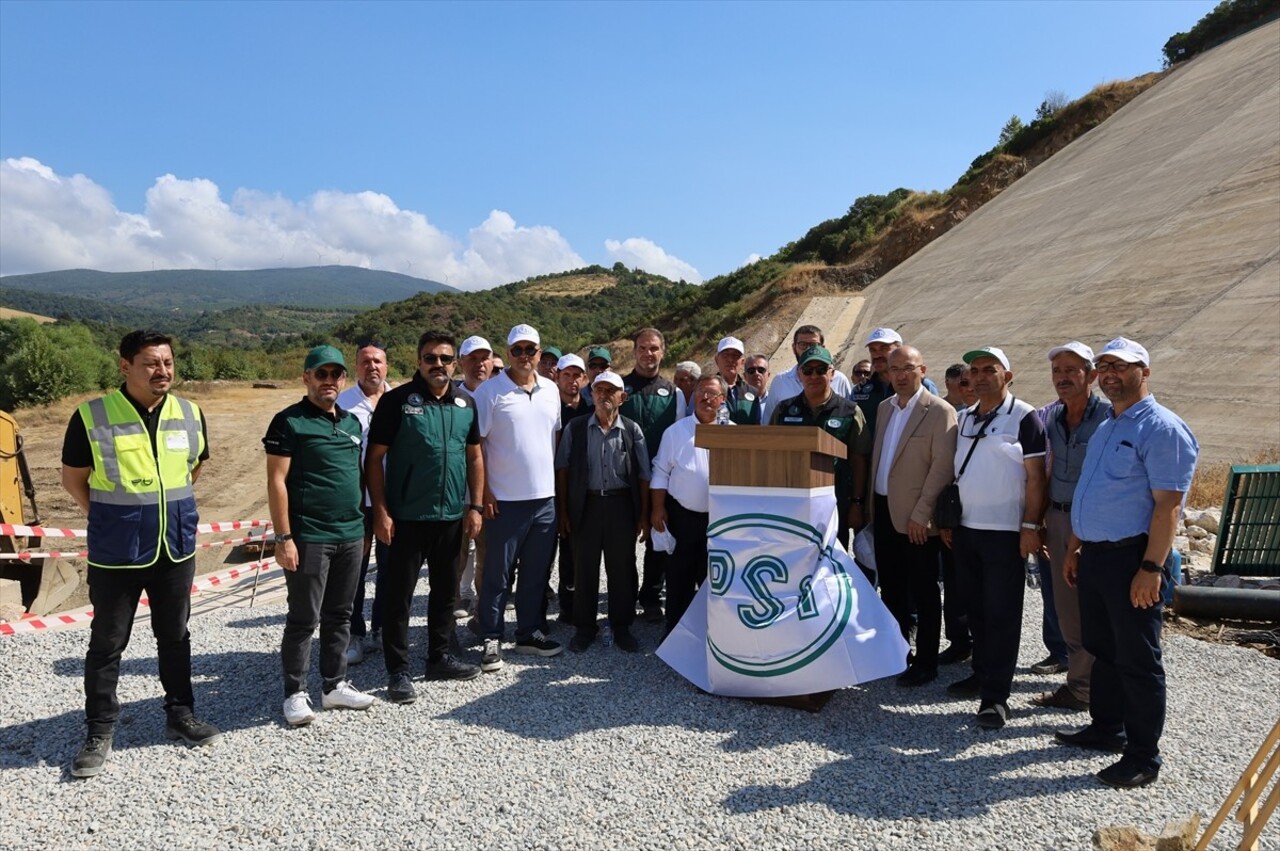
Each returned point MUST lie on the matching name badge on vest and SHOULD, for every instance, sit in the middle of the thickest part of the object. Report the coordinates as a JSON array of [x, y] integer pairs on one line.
[[176, 441], [662, 391], [835, 423], [460, 402]]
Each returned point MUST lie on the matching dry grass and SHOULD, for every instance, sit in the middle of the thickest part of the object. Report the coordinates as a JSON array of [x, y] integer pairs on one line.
[[1209, 487], [10, 313], [576, 285]]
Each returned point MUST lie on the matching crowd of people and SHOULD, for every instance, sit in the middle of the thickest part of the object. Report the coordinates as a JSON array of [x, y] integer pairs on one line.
[[492, 477]]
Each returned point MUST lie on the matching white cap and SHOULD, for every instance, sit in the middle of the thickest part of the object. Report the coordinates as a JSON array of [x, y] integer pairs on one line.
[[608, 377], [1076, 348], [731, 343], [527, 333], [987, 352], [570, 360], [1126, 350], [883, 335], [472, 344]]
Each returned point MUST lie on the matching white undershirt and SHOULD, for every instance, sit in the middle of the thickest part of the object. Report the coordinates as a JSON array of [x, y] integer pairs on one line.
[[892, 434]]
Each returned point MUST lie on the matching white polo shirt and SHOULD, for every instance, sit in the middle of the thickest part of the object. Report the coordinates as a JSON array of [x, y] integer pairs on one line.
[[518, 430], [682, 469], [786, 385], [993, 489], [361, 407]]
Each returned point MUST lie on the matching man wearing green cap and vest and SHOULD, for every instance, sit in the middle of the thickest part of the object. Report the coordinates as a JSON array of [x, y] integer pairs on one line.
[[315, 493], [129, 459]]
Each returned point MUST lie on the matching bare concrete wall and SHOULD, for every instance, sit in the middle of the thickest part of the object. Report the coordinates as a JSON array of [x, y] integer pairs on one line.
[[1162, 224]]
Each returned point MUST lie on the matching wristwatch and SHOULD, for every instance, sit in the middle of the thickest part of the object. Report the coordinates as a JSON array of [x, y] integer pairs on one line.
[[1150, 566], [280, 539], [479, 509], [1031, 527]]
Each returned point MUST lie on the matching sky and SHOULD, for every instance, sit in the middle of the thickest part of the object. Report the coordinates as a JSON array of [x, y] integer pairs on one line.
[[481, 143]]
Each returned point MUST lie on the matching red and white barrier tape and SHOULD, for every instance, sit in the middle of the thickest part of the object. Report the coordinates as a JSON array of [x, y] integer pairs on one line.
[[8, 529], [27, 555], [208, 582]]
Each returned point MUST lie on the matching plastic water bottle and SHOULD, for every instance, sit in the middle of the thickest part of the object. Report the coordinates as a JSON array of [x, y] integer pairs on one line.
[[606, 635], [1033, 571], [722, 415]]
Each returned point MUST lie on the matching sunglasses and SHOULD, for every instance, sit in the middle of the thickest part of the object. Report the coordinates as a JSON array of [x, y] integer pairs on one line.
[[816, 369], [523, 351], [325, 374], [432, 360], [862, 373], [964, 382], [757, 370], [598, 364], [709, 395]]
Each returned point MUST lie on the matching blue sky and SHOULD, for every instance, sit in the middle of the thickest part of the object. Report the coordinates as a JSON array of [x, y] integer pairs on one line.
[[483, 142]]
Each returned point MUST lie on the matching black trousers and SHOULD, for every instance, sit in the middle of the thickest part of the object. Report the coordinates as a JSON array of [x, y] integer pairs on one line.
[[321, 591], [1127, 684], [438, 543], [687, 566], [608, 528], [989, 568], [114, 593], [655, 572], [955, 620], [909, 584]]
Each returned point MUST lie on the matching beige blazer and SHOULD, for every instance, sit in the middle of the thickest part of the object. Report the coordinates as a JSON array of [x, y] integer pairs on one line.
[[923, 463]]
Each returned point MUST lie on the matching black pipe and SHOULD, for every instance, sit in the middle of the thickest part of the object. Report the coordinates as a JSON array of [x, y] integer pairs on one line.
[[1254, 604]]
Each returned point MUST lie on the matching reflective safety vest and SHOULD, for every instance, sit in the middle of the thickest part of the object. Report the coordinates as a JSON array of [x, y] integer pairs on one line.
[[140, 499]]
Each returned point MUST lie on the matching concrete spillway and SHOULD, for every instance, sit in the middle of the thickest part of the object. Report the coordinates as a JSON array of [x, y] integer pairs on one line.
[[1162, 224]]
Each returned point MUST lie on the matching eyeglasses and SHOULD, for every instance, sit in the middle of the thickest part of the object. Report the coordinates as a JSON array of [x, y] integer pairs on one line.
[[964, 382], [757, 370], [598, 364], [523, 351], [709, 395], [432, 360], [816, 369], [898, 370], [1120, 367], [862, 373], [325, 374]]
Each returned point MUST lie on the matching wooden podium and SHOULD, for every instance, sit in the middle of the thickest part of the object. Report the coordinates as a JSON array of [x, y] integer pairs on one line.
[[770, 456], [801, 457]]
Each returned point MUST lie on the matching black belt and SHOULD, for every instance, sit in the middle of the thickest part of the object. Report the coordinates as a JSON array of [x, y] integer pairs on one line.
[[1114, 545], [1060, 506], [614, 492]]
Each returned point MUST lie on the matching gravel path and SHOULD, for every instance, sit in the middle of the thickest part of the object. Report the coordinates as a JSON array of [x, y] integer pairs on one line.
[[599, 750]]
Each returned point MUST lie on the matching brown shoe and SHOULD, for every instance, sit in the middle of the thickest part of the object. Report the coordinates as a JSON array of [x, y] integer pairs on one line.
[[1060, 698]]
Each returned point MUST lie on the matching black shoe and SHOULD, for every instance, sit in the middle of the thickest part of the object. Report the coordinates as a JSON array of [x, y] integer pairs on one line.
[[969, 687], [192, 730], [955, 653], [917, 676], [653, 614], [538, 644], [92, 757], [625, 641], [400, 689], [580, 642], [448, 667], [1049, 665], [991, 716], [1129, 773], [1091, 738]]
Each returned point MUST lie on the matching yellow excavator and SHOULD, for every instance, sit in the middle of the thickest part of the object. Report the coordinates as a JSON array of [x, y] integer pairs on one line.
[[42, 584]]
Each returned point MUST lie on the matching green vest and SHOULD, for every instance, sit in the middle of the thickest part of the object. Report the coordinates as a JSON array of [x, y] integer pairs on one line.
[[427, 461], [140, 500], [653, 408]]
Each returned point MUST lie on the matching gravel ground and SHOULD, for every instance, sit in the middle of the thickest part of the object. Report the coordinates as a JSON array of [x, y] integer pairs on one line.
[[598, 750]]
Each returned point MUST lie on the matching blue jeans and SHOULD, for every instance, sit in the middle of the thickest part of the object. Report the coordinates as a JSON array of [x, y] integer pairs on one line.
[[1050, 632], [522, 534]]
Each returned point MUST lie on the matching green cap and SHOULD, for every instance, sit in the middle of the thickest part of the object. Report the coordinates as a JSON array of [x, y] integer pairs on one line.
[[600, 352], [818, 353], [321, 355], [552, 350]]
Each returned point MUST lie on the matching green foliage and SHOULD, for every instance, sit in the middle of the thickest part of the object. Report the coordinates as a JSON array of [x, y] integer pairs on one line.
[[836, 239], [1008, 131], [43, 363], [1054, 102], [1226, 20]]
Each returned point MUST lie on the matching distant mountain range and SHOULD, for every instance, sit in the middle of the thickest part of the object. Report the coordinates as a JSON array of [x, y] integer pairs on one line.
[[199, 290]]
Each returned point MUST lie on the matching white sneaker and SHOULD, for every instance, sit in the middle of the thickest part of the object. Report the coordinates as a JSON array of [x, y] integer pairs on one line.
[[355, 651], [297, 709], [346, 696]]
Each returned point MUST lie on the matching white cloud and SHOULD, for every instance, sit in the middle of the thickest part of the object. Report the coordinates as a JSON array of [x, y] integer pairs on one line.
[[640, 253], [752, 259], [50, 222]]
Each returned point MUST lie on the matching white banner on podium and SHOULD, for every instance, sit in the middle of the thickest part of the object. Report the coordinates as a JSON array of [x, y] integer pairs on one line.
[[784, 610]]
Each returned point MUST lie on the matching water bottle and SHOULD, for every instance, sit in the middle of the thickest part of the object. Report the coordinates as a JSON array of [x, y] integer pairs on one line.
[[1033, 571], [722, 415], [606, 635]]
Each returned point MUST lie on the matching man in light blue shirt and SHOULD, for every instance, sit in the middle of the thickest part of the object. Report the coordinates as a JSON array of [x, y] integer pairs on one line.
[[1125, 510]]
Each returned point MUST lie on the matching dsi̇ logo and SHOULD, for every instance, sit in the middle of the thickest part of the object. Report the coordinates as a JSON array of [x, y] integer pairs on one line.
[[783, 621]]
